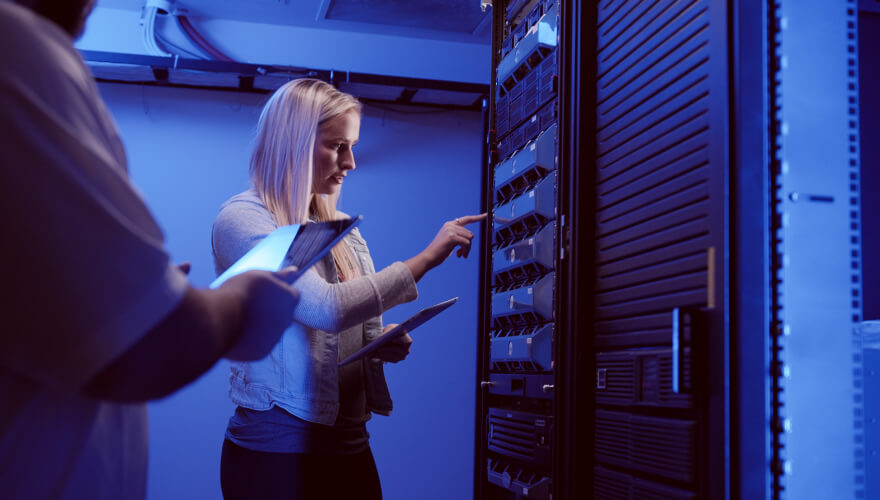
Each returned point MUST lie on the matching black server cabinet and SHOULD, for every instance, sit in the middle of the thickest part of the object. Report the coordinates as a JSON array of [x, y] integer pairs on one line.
[[603, 343], [660, 210], [675, 260]]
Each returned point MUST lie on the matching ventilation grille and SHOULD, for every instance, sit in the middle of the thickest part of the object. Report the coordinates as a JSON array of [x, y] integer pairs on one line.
[[529, 484], [529, 165], [641, 378], [653, 163], [527, 213], [614, 485], [659, 446], [525, 303], [523, 436], [522, 350], [526, 259], [542, 120], [516, 366]]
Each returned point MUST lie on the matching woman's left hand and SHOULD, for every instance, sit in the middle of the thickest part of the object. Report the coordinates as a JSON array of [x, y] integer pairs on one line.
[[396, 350]]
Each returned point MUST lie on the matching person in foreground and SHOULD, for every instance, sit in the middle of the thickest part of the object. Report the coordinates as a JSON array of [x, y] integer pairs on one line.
[[299, 430], [96, 319]]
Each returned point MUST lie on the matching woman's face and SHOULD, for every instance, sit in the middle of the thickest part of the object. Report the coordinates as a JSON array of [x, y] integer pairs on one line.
[[333, 152]]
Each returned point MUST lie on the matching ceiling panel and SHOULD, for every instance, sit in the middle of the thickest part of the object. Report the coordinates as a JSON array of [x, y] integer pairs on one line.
[[458, 16], [452, 20]]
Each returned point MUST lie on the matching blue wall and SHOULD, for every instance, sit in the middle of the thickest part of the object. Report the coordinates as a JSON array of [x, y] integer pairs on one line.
[[188, 152]]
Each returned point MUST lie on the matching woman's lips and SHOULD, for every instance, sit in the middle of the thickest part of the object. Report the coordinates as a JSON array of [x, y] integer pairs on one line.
[[338, 178]]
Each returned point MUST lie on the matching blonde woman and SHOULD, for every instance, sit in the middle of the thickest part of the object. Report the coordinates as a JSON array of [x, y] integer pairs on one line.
[[299, 430]]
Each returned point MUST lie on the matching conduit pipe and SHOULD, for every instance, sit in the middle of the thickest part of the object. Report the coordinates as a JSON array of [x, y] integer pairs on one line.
[[200, 41], [152, 8]]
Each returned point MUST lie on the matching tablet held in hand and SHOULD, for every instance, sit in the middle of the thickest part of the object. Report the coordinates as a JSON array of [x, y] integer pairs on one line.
[[407, 326]]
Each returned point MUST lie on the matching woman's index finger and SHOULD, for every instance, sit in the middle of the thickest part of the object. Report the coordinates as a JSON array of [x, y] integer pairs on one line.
[[470, 219]]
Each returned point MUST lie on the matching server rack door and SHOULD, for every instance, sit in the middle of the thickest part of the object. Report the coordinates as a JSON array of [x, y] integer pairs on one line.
[[660, 251]]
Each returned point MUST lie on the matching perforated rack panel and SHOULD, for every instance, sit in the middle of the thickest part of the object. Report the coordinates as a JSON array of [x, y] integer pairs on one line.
[[817, 254]]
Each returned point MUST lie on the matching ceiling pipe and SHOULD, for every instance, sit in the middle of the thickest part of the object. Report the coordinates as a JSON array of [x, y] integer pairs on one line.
[[200, 41]]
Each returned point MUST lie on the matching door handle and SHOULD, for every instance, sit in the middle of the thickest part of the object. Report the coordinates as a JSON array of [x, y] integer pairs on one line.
[[684, 322]]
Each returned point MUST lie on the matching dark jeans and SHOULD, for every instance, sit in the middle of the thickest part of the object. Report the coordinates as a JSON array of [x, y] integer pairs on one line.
[[246, 474]]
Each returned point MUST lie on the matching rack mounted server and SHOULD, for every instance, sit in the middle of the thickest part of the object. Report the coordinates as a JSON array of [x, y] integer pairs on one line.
[[517, 428]]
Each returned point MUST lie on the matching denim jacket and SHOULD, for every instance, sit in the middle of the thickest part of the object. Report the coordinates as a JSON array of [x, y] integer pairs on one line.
[[300, 373]]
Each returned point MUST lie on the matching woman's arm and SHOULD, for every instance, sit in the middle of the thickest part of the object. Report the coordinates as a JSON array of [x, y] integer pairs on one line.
[[333, 307], [452, 234]]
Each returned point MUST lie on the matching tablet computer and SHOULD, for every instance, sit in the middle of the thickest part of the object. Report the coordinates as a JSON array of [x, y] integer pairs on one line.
[[409, 325], [300, 245]]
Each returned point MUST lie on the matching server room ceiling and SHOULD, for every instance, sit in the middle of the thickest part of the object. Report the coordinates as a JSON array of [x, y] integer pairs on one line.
[[451, 20]]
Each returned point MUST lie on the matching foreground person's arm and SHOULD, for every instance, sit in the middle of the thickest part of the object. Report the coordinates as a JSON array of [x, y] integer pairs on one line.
[[241, 320]]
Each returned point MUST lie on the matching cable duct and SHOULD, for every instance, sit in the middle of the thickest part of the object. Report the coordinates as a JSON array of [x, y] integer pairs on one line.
[[153, 8], [157, 45]]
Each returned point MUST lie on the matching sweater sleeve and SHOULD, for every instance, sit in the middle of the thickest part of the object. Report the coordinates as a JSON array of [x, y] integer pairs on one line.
[[244, 221], [333, 307]]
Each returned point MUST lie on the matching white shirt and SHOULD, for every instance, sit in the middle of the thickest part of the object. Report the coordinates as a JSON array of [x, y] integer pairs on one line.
[[84, 274]]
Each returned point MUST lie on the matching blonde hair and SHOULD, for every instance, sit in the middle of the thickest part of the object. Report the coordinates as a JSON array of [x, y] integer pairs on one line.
[[281, 166]]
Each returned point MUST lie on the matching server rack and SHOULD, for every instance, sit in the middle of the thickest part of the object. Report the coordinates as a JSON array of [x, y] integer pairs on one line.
[[605, 301], [516, 424], [659, 326], [638, 303]]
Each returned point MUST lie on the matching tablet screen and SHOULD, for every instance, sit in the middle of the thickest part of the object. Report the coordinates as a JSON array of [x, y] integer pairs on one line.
[[409, 325], [295, 245], [314, 240]]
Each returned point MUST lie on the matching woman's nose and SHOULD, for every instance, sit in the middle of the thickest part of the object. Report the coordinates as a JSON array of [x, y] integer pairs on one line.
[[347, 160]]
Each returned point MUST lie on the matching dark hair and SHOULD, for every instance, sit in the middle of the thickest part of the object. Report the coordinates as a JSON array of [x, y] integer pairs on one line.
[[69, 15]]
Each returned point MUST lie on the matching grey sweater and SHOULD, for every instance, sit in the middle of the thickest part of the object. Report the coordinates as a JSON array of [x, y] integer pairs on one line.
[[324, 305]]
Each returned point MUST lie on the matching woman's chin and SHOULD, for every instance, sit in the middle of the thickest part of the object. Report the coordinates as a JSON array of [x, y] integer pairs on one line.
[[329, 190]]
